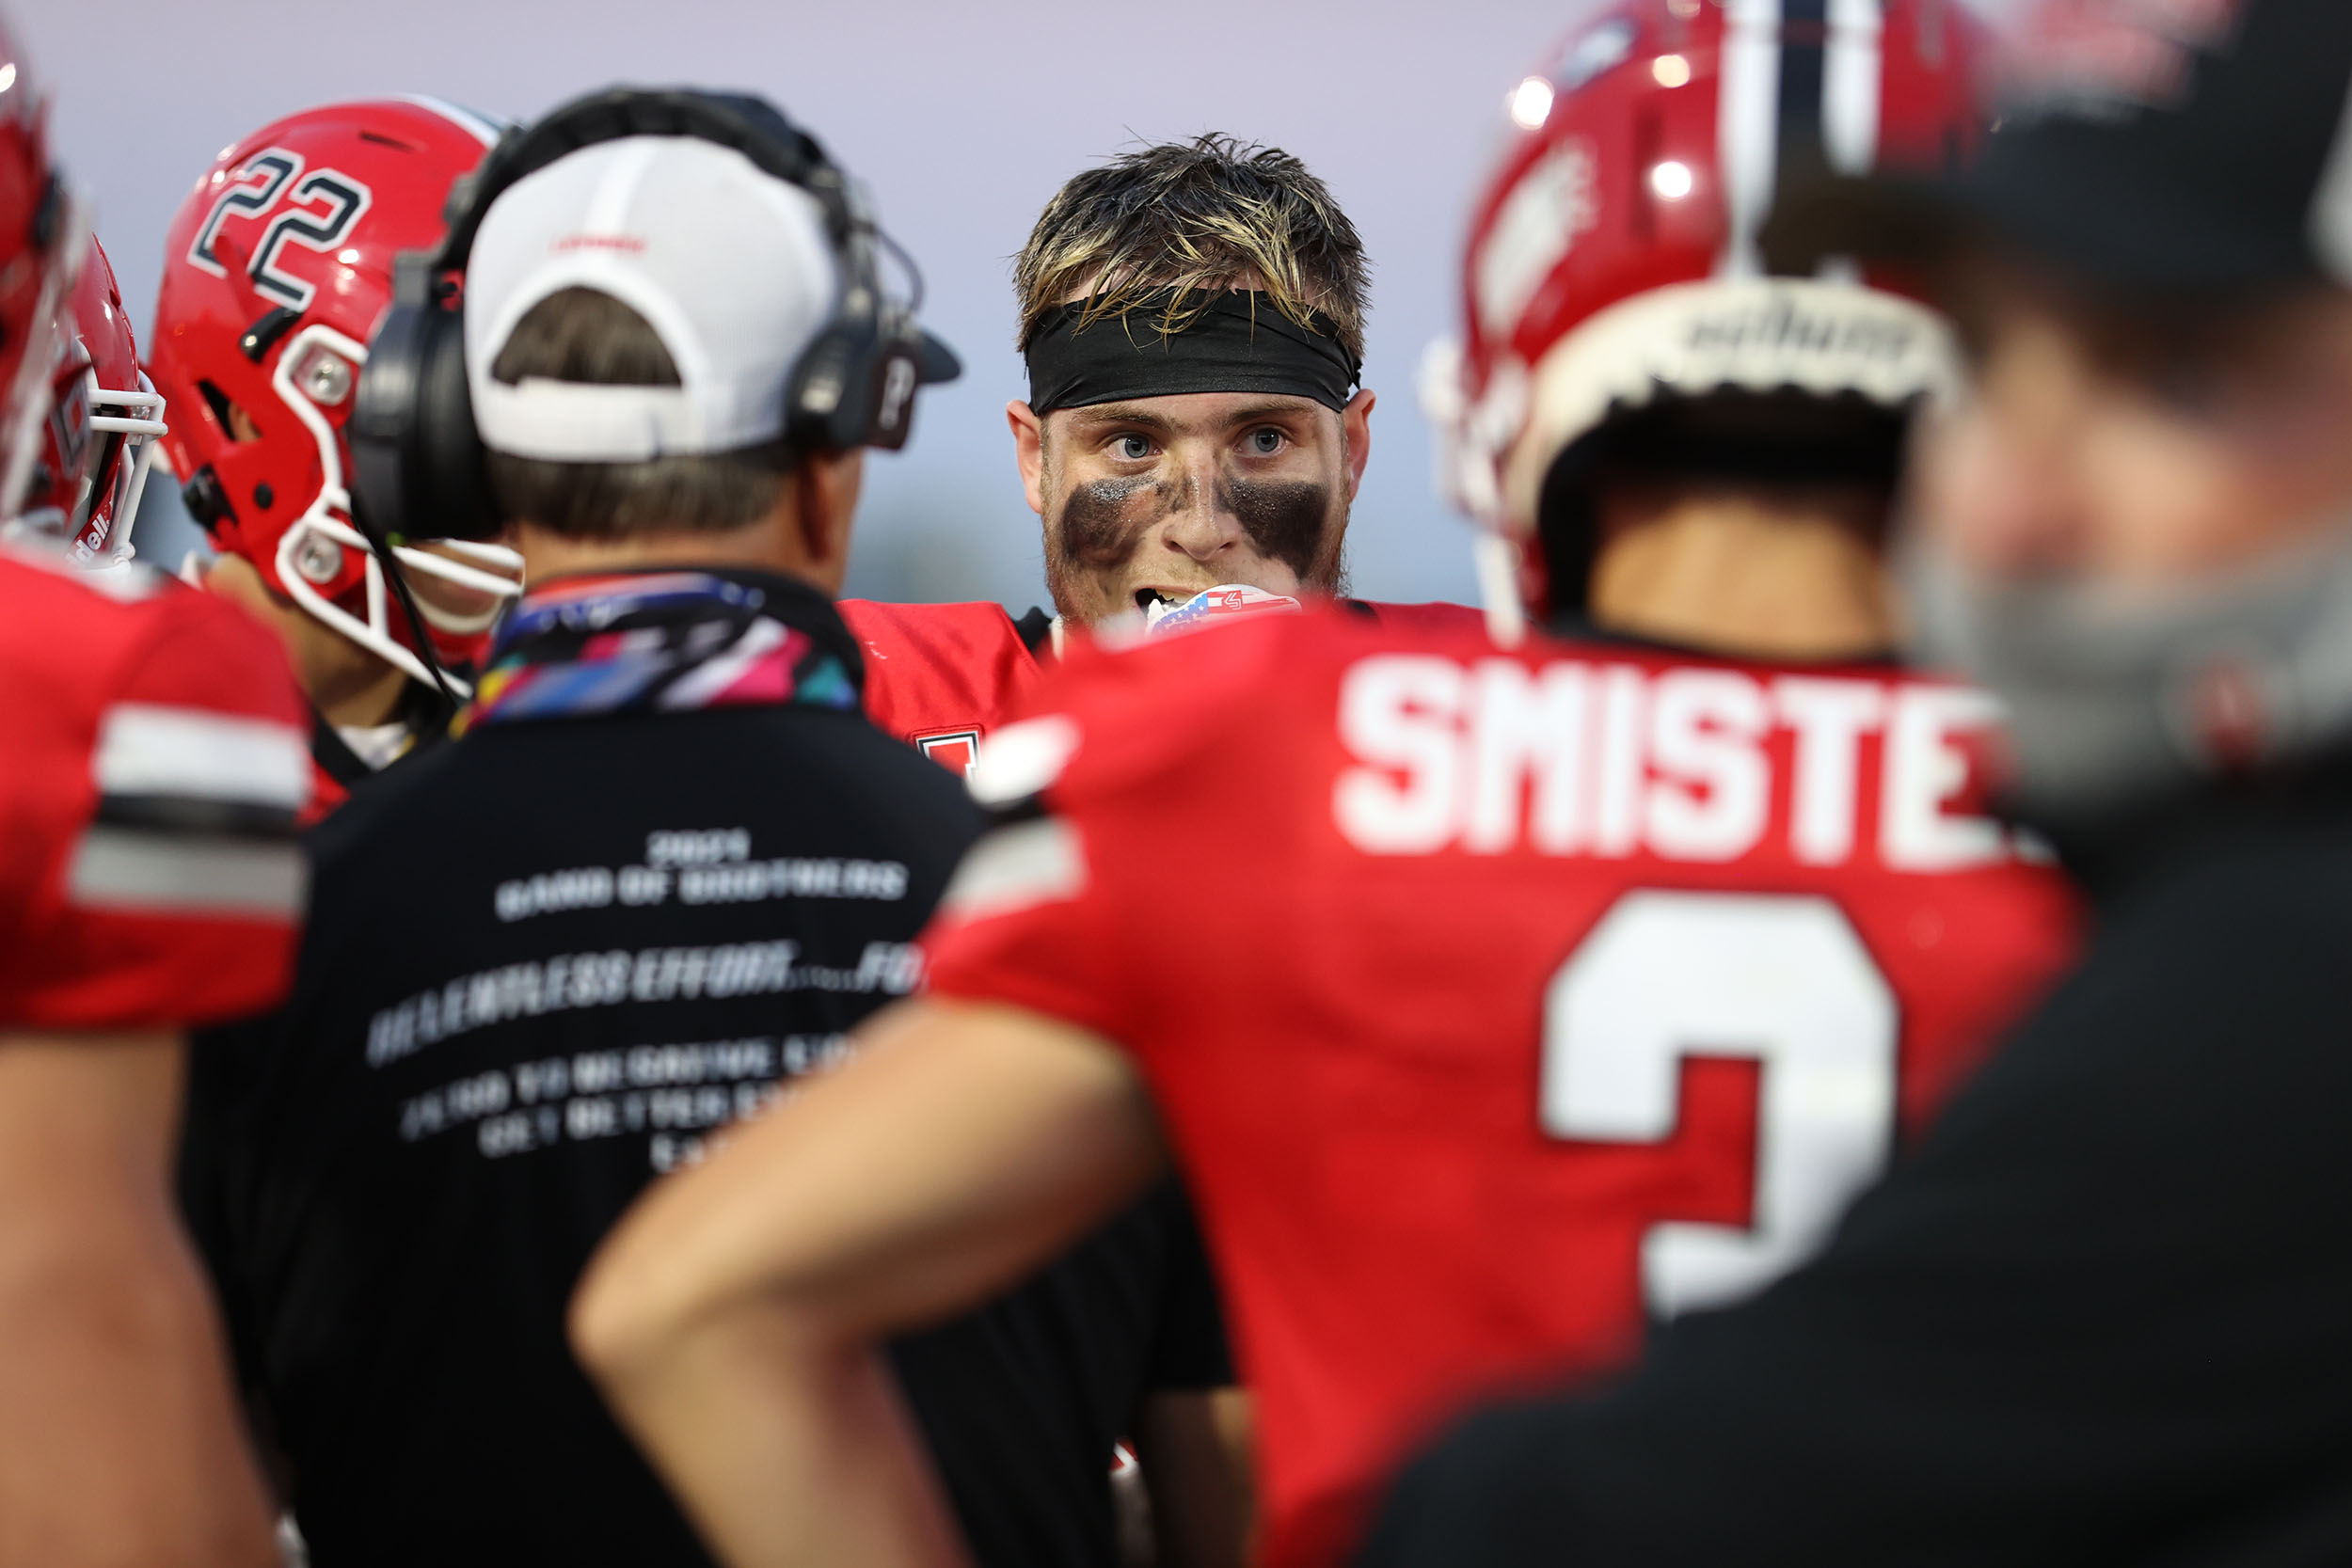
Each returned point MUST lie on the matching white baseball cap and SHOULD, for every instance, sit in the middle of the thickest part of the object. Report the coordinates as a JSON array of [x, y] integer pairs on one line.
[[731, 266]]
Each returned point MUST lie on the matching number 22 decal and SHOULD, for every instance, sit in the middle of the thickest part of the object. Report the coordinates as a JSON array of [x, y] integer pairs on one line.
[[1780, 979], [320, 210]]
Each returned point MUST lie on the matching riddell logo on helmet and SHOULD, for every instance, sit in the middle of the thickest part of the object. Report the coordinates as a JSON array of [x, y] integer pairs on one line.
[[629, 242], [1783, 325]]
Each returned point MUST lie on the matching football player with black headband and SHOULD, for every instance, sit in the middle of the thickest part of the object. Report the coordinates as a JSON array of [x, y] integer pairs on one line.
[[1192, 314]]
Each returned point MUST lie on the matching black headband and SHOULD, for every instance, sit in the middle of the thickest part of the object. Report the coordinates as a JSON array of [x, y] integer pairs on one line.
[[1238, 342]]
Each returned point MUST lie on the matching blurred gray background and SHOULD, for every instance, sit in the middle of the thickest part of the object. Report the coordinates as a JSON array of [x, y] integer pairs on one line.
[[963, 119]]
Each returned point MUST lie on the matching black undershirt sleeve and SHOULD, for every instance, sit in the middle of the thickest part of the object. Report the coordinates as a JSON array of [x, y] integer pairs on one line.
[[2104, 1315]]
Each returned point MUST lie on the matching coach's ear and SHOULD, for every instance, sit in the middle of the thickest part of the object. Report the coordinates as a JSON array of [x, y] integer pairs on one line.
[[1029, 451], [823, 491]]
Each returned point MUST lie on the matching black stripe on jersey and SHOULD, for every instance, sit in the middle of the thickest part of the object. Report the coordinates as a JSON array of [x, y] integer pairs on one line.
[[198, 815]]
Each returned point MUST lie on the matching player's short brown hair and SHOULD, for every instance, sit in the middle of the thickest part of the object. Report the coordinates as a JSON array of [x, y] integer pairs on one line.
[[1207, 214], [586, 335]]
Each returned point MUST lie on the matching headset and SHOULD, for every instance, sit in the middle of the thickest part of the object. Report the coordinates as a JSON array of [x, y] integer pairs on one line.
[[417, 461]]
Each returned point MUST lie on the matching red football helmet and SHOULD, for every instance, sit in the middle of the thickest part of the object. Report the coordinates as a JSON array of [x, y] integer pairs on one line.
[[40, 235], [1613, 262], [100, 437], [276, 270]]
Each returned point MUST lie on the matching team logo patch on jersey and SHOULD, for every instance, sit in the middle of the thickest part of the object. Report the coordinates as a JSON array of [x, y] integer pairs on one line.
[[954, 750]]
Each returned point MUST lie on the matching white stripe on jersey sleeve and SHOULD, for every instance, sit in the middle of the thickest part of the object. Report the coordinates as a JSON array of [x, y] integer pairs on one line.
[[149, 748], [1012, 869], [135, 871]]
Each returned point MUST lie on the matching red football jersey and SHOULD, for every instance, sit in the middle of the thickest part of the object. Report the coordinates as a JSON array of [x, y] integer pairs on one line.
[[157, 756], [941, 676], [1490, 998]]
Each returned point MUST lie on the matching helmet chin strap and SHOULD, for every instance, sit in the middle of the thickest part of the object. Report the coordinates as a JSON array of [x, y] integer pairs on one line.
[[2116, 701]]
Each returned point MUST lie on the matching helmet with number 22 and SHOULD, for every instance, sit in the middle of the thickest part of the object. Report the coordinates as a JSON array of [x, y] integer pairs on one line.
[[276, 270]]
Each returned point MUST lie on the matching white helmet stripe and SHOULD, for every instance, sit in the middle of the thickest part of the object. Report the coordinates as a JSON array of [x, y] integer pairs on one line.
[[1747, 126], [480, 127], [1852, 85]]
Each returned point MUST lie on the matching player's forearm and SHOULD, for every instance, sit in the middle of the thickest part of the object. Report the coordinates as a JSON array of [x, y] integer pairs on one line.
[[120, 1440], [727, 1315], [958, 1152], [788, 1447]]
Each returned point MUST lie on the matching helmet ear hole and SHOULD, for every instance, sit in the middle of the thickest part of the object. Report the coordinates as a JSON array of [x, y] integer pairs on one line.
[[228, 413]]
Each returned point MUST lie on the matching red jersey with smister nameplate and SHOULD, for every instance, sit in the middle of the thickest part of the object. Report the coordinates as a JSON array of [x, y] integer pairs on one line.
[[1494, 1000], [940, 676], [156, 758]]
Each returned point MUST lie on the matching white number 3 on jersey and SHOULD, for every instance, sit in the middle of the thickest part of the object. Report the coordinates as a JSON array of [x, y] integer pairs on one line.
[[1780, 979]]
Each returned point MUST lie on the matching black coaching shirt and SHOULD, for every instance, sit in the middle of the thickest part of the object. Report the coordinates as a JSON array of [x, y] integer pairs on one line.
[[544, 964]]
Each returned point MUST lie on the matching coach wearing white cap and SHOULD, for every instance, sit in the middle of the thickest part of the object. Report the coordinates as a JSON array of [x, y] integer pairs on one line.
[[666, 866]]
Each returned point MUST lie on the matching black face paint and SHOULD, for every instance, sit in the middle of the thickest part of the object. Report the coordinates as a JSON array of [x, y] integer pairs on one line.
[[1286, 520], [1101, 523]]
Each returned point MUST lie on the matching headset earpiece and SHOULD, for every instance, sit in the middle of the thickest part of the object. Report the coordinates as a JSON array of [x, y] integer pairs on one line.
[[417, 460]]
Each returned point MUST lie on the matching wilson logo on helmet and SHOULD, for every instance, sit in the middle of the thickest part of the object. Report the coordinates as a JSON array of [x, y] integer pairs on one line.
[[319, 212]]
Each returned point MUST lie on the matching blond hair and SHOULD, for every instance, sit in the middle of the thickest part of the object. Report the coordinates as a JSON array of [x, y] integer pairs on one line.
[[1211, 213]]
